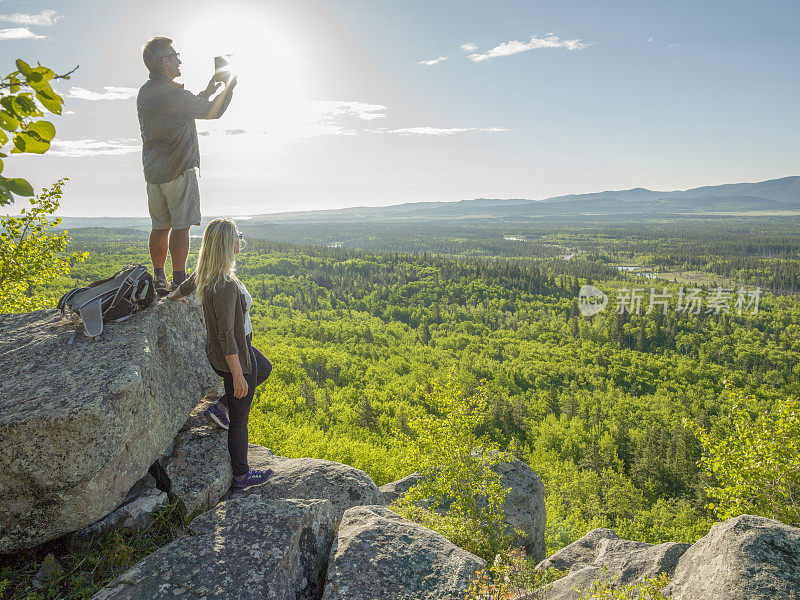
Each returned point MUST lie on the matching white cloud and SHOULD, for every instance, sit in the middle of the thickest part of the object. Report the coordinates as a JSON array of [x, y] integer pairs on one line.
[[439, 130], [469, 47], [434, 61], [429, 130], [20, 33], [325, 118], [651, 40], [535, 43], [43, 19], [87, 147], [326, 110], [111, 93], [330, 118], [309, 130], [224, 132]]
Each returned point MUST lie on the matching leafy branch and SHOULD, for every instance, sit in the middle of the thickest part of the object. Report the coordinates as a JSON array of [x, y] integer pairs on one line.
[[4, 84], [22, 92]]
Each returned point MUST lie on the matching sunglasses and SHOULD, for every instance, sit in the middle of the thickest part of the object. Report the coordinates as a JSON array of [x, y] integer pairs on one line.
[[175, 54], [240, 235]]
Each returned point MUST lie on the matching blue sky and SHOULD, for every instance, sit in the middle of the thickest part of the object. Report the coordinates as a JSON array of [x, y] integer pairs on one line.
[[337, 107]]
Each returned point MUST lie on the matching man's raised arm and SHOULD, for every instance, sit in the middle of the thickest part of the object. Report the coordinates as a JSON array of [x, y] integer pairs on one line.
[[200, 107]]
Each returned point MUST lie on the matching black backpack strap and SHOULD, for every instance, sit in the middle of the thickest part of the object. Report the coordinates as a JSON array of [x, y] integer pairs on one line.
[[62, 303], [121, 289]]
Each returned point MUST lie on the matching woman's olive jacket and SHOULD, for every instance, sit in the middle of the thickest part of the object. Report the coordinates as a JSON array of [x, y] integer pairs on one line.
[[223, 310]]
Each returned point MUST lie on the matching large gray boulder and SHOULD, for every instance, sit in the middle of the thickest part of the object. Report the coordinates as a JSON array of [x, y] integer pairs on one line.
[[81, 423], [524, 507], [602, 555], [581, 551], [378, 554], [198, 466], [343, 485], [246, 548], [397, 489], [744, 557]]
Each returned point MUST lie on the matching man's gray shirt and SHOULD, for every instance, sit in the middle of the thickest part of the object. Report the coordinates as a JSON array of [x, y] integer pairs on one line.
[[166, 118]]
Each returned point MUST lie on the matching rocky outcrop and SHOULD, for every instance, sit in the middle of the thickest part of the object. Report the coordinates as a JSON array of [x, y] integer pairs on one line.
[[602, 555], [137, 512], [378, 554], [343, 485], [198, 466], [81, 423], [582, 551], [397, 489], [523, 508], [246, 548], [744, 557]]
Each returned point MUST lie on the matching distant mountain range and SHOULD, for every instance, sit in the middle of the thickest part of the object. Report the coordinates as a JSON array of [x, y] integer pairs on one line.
[[772, 196]]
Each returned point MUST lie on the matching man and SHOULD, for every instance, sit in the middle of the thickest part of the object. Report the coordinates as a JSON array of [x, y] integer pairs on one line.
[[171, 154]]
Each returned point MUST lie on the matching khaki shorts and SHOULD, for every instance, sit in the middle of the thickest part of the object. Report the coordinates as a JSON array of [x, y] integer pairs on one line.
[[175, 204]]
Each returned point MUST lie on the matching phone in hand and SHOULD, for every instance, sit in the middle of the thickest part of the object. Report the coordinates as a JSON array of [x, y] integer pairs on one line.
[[222, 68]]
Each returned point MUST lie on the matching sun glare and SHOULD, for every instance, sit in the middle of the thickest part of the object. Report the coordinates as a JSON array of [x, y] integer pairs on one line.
[[272, 89]]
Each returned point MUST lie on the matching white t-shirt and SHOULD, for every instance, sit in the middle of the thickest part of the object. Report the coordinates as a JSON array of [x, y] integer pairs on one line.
[[248, 326]]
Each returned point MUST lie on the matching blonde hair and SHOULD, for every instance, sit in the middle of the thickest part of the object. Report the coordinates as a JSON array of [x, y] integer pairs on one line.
[[216, 263]]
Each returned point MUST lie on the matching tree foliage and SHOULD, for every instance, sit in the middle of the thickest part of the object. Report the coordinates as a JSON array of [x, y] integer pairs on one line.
[[651, 588], [22, 93], [755, 464], [462, 496], [31, 253], [512, 575], [596, 414]]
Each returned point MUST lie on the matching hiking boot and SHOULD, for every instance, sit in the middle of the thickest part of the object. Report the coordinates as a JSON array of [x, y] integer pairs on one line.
[[217, 414], [251, 479], [162, 285]]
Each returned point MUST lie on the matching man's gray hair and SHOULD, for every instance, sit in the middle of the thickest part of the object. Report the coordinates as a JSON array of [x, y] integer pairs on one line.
[[154, 51]]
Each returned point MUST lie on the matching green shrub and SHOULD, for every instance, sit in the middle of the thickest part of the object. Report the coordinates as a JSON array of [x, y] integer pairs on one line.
[[756, 465], [509, 575], [459, 494], [650, 589]]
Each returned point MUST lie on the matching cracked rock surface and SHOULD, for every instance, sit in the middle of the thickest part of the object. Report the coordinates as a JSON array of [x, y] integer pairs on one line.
[[245, 548], [81, 423], [379, 554], [743, 557]]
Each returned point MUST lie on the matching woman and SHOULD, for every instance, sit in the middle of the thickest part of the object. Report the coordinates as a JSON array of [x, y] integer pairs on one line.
[[226, 308]]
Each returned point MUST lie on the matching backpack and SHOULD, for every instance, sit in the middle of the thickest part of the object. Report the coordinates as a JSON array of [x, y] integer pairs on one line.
[[108, 300]]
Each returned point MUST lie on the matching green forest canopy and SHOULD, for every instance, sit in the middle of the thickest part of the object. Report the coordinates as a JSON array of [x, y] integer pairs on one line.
[[596, 406]]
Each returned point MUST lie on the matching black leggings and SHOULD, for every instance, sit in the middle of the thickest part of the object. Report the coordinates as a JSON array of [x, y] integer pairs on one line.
[[239, 408]]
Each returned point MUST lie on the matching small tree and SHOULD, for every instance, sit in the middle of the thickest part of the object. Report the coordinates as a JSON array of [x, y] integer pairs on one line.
[[29, 251], [652, 588], [756, 466], [459, 494], [512, 575], [28, 248]]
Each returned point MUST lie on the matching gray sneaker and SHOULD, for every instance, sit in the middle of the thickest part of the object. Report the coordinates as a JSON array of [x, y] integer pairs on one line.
[[162, 285]]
